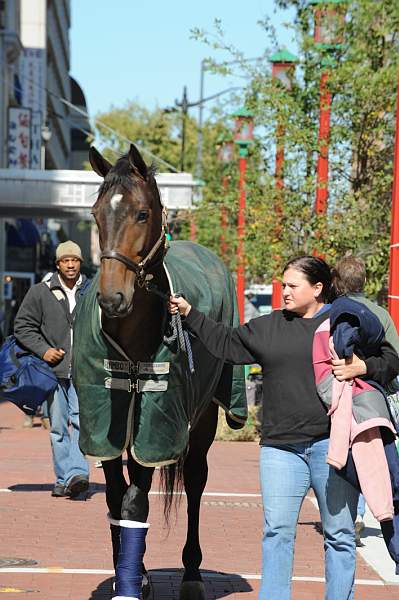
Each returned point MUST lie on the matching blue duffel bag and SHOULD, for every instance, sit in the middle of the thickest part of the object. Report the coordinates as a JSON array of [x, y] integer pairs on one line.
[[25, 379]]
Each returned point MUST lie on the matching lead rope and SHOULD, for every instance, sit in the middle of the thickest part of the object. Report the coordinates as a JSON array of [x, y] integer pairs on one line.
[[178, 333]]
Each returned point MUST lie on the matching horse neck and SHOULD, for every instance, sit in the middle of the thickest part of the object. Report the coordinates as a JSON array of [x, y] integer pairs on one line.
[[140, 333]]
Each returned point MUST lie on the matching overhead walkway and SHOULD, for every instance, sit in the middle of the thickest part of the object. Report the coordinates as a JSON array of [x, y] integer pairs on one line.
[[71, 194]]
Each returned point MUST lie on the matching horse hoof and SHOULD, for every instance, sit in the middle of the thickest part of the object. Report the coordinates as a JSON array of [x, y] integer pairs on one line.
[[192, 590]]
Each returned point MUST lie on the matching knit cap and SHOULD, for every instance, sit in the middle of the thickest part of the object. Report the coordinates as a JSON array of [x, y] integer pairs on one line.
[[68, 248]]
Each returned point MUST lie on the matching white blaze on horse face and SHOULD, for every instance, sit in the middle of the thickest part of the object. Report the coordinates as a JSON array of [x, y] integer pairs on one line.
[[115, 200]]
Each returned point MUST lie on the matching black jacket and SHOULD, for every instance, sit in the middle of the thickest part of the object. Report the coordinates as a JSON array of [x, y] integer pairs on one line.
[[282, 344], [44, 322]]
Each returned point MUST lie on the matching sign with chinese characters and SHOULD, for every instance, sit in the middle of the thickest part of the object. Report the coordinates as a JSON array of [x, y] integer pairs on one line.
[[19, 138], [33, 79], [36, 140]]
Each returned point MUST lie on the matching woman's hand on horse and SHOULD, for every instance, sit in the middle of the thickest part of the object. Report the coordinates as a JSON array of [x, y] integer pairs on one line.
[[179, 304]]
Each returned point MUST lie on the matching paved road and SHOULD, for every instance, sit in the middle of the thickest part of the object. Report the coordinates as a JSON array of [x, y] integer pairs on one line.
[[69, 543]]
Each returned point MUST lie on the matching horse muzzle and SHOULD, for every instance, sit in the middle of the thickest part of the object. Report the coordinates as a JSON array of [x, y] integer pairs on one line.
[[114, 305]]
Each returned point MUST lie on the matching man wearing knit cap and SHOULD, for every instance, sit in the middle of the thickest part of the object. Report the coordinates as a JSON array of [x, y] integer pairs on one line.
[[44, 326]]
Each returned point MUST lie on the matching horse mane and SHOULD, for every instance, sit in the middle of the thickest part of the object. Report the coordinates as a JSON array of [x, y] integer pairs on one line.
[[123, 174]]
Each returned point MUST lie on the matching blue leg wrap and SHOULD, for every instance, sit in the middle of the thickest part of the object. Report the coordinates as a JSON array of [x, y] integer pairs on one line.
[[128, 574]]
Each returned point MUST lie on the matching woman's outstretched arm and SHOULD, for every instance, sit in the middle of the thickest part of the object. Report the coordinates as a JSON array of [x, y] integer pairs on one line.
[[235, 345]]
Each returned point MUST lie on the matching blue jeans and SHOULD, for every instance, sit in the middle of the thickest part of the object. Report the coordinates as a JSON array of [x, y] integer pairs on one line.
[[68, 460], [45, 410], [361, 506], [286, 473]]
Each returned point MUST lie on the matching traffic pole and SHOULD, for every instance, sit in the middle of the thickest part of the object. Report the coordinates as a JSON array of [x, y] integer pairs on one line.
[[324, 140], [277, 288], [243, 137], [224, 221], [393, 291], [283, 71], [193, 228], [241, 234]]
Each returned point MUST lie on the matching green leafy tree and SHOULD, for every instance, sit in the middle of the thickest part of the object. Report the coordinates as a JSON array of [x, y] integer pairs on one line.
[[363, 83]]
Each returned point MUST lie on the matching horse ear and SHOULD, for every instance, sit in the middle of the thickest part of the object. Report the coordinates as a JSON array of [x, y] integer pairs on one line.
[[100, 164], [137, 161]]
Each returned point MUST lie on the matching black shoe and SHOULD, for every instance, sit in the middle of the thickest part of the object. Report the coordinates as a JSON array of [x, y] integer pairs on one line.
[[77, 485], [59, 491]]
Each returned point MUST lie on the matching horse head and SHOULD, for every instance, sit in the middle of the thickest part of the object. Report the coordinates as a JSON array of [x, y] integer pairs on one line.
[[131, 225]]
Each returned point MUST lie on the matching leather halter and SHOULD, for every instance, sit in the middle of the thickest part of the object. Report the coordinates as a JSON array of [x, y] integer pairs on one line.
[[140, 267]]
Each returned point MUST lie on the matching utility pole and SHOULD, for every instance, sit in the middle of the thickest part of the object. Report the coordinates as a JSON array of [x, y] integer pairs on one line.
[[393, 293], [198, 167], [200, 103], [184, 105], [243, 137]]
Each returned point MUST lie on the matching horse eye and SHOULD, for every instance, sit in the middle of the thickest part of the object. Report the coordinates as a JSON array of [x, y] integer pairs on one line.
[[142, 216]]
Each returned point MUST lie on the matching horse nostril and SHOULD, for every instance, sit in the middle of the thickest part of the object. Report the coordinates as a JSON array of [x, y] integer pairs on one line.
[[117, 300], [111, 303]]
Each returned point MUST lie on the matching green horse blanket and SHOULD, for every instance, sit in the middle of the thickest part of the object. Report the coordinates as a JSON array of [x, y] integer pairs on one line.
[[152, 406]]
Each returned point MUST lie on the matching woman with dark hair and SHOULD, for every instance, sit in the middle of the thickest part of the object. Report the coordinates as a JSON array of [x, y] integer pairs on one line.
[[295, 426]]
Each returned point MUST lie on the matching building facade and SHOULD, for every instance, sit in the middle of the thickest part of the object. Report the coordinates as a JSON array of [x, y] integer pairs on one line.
[[38, 130], [10, 51], [45, 81]]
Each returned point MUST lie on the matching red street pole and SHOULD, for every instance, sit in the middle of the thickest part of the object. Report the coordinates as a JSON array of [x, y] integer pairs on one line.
[[241, 236], [283, 68], [223, 221], [393, 292], [277, 288], [324, 139], [193, 228], [279, 162], [243, 136]]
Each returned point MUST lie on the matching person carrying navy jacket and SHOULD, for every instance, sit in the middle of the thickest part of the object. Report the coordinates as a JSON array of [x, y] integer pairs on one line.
[[295, 425], [43, 325], [349, 279]]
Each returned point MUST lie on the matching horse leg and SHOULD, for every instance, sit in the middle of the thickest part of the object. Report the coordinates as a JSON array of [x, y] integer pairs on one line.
[[115, 489], [195, 477], [130, 576]]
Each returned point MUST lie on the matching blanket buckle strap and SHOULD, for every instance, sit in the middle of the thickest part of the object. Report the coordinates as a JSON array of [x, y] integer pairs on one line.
[[138, 385]]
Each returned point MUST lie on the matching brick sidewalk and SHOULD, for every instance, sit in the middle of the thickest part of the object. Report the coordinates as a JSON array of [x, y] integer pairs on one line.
[[61, 534]]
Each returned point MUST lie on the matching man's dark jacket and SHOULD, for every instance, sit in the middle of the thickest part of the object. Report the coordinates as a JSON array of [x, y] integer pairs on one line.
[[44, 321]]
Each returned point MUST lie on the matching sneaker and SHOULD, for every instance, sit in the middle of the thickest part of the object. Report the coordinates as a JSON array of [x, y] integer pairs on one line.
[[359, 526], [28, 422], [45, 422], [59, 491], [77, 485]]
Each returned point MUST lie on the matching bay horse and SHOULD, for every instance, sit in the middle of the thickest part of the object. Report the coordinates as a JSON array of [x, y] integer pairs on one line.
[[131, 224]]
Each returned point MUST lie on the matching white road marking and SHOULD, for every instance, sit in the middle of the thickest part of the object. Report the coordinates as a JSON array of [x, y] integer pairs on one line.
[[373, 551], [218, 494], [247, 576], [215, 494]]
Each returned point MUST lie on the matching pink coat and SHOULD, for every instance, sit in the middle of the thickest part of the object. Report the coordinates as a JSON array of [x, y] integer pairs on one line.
[[353, 425]]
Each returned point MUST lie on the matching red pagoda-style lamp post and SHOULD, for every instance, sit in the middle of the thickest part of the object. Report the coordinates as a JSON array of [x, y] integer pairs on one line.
[[393, 291], [243, 137], [329, 17], [283, 70], [225, 156], [193, 228]]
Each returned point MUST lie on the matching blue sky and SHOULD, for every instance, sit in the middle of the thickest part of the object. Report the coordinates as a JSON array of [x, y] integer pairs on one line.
[[127, 50]]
